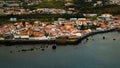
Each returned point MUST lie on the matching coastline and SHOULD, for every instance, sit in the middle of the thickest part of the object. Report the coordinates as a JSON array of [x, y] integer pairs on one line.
[[86, 36], [65, 42]]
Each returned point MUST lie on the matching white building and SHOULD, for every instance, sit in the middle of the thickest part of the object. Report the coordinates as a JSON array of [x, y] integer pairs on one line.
[[114, 2], [106, 15], [21, 36]]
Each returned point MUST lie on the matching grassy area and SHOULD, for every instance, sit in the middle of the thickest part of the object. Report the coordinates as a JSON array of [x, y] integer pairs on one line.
[[112, 9], [47, 4], [51, 4]]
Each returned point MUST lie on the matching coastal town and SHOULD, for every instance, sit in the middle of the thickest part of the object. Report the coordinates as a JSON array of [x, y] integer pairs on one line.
[[59, 33], [46, 20], [72, 29]]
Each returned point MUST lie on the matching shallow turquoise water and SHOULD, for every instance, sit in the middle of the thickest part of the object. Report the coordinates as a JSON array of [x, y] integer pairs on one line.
[[97, 53]]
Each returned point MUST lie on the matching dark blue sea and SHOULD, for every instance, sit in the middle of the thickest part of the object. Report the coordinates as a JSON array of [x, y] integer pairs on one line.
[[94, 53]]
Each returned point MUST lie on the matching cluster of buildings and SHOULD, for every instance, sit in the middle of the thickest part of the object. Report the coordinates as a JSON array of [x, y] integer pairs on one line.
[[103, 2], [45, 30], [18, 11], [13, 10], [15, 7], [11, 7], [114, 2], [49, 11], [11, 3]]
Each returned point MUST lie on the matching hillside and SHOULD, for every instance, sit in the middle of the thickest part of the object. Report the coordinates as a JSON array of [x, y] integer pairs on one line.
[[51, 4], [47, 4]]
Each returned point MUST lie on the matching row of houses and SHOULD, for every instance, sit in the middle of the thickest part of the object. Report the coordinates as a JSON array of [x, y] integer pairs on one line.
[[37, 31], [102, 2], [18, 10], [50, 10], [45, 30], [13, 10]]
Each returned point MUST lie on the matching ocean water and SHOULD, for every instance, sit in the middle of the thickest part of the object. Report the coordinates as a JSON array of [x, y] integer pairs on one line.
[[94, 53]]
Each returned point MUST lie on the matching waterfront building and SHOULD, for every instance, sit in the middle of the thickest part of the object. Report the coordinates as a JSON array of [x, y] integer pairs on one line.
[[45, 30]]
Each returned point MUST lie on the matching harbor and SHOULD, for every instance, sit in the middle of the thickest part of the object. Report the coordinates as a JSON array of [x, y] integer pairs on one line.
[[93, 53]]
